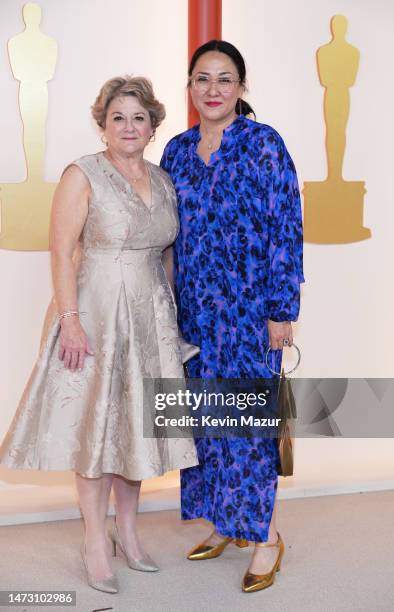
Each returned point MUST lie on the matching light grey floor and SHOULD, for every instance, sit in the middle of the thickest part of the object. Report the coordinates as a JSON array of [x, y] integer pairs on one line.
[[339, 557]]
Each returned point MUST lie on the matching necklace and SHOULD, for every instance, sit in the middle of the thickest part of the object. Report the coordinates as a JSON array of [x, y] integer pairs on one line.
[[135, 179], [132, 179], [209, 144]]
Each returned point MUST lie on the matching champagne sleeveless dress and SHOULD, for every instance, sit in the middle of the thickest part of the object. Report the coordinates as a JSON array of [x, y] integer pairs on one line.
[[91, 421]]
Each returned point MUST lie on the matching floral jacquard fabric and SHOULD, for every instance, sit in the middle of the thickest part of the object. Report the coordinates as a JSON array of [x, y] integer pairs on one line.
[[238, 262], [91, 421]]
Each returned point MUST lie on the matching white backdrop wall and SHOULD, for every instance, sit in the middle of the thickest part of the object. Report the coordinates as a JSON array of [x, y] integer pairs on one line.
[[346, 325]]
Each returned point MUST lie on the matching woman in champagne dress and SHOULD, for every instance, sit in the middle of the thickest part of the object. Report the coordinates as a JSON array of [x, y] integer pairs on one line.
[[112, 323]]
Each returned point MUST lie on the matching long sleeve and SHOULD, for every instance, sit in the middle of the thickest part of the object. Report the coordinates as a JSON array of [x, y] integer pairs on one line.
[[285, 241]]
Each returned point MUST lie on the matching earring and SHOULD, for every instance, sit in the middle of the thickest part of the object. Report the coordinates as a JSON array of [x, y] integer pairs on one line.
[[104, 140], [152, 138]]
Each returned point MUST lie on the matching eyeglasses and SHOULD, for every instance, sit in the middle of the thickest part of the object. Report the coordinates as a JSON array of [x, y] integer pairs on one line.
[[201, 84]]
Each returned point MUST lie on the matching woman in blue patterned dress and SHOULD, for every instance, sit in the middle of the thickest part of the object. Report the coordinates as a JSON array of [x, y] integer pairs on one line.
[[238, 269]]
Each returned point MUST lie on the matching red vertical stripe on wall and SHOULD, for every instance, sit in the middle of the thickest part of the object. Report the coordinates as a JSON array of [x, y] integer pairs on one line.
[[205, 23]]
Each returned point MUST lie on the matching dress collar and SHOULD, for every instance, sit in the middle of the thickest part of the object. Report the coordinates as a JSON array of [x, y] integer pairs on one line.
[[232, 130], [229, 134]]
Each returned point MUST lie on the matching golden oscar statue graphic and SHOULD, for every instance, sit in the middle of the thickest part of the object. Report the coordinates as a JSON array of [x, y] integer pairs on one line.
[[25, 207], [333, 209]]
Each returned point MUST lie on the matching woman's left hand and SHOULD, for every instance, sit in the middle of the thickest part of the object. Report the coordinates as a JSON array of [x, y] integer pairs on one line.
[[279, 334]]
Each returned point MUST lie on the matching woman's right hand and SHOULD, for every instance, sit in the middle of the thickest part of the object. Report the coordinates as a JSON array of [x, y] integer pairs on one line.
[[74, 344]]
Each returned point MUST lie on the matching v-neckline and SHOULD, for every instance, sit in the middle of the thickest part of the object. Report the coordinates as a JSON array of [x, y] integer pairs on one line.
[[118, 172], [208, 163], [238, 121]]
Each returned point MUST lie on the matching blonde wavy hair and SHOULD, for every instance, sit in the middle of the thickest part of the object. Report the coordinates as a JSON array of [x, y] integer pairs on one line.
[[140, 87]]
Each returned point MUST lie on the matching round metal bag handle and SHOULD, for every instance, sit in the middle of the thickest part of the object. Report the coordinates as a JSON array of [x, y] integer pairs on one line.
[[290, 371]]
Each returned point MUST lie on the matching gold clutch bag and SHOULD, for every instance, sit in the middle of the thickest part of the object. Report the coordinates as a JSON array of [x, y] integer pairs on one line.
[[287, 413]]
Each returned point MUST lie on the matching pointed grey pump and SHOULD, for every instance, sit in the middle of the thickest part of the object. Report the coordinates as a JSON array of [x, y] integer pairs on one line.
[[107, 585], [146, 564]]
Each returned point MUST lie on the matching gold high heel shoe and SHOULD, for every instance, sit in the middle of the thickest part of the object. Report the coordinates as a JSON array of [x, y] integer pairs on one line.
[[257, 582], [146, 564], [209, 551], [107, 585]]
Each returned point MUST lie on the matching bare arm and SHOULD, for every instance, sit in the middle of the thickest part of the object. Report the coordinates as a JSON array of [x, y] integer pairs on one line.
[[69, 212]]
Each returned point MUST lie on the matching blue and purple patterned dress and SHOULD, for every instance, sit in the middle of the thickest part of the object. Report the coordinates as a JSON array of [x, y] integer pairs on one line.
[[238, 262]]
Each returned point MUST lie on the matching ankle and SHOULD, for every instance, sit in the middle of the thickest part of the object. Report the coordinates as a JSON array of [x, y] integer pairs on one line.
[[124, 523], [273, 538], [218, 537], [126, 532], [95, 541], [268, 545]]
